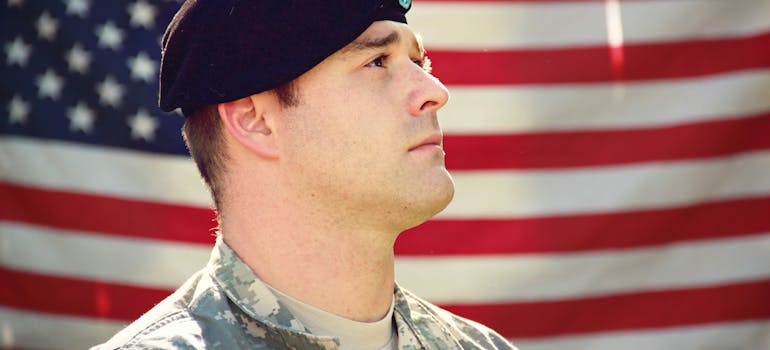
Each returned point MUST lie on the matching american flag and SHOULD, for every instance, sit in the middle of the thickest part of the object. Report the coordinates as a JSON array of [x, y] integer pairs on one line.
[[612, 163]]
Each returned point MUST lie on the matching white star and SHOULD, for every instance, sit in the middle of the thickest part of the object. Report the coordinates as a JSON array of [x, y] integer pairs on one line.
[[110, 36], [142, 67], [78, 7], [110, 92], [81, 118], [78, 59], [49, 85], [143, 126], [142, 14], [17, 52], [18, 110], [47, 26], [17, 3]]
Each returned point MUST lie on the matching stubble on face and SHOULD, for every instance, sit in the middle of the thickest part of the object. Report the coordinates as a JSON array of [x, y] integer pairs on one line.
[[349, 139]]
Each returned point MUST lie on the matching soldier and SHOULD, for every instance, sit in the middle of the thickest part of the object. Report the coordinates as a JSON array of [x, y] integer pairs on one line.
[[314, 125]]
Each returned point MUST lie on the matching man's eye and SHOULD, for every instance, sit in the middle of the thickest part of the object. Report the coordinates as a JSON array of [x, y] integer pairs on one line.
[[424, 63], [378, 62]]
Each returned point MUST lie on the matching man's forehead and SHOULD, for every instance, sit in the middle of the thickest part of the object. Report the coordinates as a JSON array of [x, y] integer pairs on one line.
[[382, 34]]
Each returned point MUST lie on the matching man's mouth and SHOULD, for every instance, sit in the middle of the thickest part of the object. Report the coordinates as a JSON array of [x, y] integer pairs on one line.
[[431, 141]]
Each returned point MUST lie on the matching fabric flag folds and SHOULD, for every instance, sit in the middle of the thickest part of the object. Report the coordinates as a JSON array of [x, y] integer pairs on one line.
[[611, 158]]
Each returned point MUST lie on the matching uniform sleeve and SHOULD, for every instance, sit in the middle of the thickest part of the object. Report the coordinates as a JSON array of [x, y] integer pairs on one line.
[[471, 334], [478, 336]]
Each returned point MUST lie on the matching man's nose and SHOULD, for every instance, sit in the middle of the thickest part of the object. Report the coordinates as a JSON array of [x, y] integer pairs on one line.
[[428, 94]]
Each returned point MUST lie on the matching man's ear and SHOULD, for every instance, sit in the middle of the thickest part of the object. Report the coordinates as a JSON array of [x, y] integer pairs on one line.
[[247, 121]]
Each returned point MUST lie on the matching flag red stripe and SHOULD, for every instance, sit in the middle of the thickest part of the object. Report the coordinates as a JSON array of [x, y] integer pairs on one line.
[[106, 215], [593, 64], [588, 232], [637, 310], [642, 310], [121, 217], [590, 148], [78, 297]]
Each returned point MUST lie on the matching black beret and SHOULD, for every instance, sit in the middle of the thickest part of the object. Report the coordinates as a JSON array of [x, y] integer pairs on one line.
[[221, 50]]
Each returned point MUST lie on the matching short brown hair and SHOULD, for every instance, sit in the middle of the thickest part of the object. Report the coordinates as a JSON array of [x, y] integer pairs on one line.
[[202, 132]]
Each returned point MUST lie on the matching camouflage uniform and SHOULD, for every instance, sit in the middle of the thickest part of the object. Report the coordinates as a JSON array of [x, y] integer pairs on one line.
[[225, 306]]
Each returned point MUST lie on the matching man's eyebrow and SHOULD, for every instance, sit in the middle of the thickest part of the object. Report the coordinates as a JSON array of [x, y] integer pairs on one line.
[[365, 44]]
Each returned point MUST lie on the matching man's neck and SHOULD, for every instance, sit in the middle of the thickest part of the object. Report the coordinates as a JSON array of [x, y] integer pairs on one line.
[[346, 272]]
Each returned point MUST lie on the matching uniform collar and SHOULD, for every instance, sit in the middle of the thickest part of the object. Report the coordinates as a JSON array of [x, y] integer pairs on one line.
[[253, 297], [422, 325], [419, 324]]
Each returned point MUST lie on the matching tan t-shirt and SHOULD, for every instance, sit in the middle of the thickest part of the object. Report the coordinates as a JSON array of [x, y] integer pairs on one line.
[[354, 335]]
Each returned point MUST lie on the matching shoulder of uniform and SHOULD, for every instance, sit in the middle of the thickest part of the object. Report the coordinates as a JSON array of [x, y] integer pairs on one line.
[[185, 331], [177, 330], [172, 323], [480, 334], [470, 334]]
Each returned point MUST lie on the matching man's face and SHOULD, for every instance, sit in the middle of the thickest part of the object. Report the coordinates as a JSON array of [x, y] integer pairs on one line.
[[364, 140]]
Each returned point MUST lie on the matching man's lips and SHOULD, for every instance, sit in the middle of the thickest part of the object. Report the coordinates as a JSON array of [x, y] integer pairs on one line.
[[432, 140]]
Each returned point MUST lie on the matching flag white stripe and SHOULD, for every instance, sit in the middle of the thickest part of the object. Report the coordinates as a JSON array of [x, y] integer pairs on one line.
[[139, 262], [530, 108], [505, 194], [486, 278], [737, 335], [572, 275], [493, 25], [21, 329], [102, 171], [479, 194]]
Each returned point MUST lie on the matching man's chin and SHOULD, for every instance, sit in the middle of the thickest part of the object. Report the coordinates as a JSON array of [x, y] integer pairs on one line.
[[429, 207], [442, 202]]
